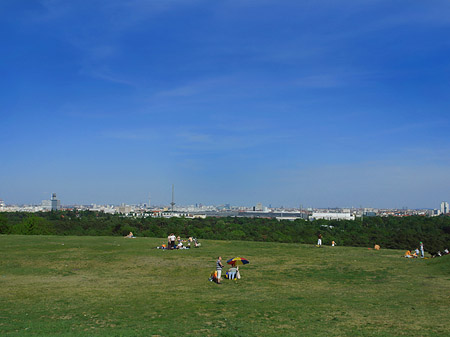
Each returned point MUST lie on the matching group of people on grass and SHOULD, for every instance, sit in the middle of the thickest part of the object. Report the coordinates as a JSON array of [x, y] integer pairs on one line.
[[319, 241], [416, 252], [439, 253], [175, 242], [232, 273]]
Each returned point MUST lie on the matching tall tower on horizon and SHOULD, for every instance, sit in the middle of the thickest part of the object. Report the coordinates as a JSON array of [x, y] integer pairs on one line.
[[444, 207], [55, 203], [173, 197]]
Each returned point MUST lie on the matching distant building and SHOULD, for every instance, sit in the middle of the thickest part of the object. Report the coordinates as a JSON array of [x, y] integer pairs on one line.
[[124, 209], [333, 216], [55, 203], [46, 205], [433, 212], [444, 207], [290, 218]]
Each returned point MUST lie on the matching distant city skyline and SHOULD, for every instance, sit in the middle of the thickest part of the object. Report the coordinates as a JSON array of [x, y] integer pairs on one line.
[[325, 104], [143, 210], [54, 203]]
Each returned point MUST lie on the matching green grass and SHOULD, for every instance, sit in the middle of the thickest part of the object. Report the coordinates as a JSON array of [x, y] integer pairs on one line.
[[110, 286]]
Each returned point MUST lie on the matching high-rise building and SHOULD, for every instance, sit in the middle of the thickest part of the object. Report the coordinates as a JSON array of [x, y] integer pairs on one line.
[[444, 207], [55, 203], [46, 205]]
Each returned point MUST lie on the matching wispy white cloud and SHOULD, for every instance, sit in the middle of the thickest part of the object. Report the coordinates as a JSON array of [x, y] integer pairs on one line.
[[146, 7], [105, 73], [131, 135], [337, 76], [227, 142], [437, 155], [97, 38], [195, 137], [120, 14], [434, 13], [51, 10], [321, 81], [408, 127], [199, 87], [192, 140]]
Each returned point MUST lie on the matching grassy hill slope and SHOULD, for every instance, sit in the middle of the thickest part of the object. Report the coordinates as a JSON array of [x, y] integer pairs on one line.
[[109, 286]]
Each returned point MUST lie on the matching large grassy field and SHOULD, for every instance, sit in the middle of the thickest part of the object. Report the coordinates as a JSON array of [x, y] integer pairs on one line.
[[110, 286]]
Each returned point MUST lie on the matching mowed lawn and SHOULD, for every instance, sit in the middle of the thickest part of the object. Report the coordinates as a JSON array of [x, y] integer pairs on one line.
[[111, 286]]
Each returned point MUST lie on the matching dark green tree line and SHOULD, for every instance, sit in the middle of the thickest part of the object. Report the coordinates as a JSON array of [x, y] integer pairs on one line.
[[389, 232]]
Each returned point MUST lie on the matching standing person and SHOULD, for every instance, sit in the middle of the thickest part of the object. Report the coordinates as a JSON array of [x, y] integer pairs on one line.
[[422, 252], [172, 241], [219, 267], [168, 242], [319, 241]]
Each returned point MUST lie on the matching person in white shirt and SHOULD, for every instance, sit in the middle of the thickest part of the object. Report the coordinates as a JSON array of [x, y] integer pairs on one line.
[[172, 241]]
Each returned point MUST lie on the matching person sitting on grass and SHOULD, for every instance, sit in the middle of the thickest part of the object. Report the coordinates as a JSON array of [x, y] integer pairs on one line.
[[232, 272], [213, 277], [130, 236], [408, 254]]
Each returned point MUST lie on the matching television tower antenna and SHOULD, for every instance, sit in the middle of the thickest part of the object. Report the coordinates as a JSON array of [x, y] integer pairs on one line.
[[173, 197]]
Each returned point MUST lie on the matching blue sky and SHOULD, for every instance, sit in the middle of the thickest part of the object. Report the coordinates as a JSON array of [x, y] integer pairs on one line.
[[320, 103]]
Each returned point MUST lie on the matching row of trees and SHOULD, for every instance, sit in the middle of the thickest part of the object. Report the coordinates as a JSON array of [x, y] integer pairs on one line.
[[389, 232]]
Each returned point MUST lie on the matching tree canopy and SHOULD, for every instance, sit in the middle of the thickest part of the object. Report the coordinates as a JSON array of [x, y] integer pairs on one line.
[[388, 232]]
